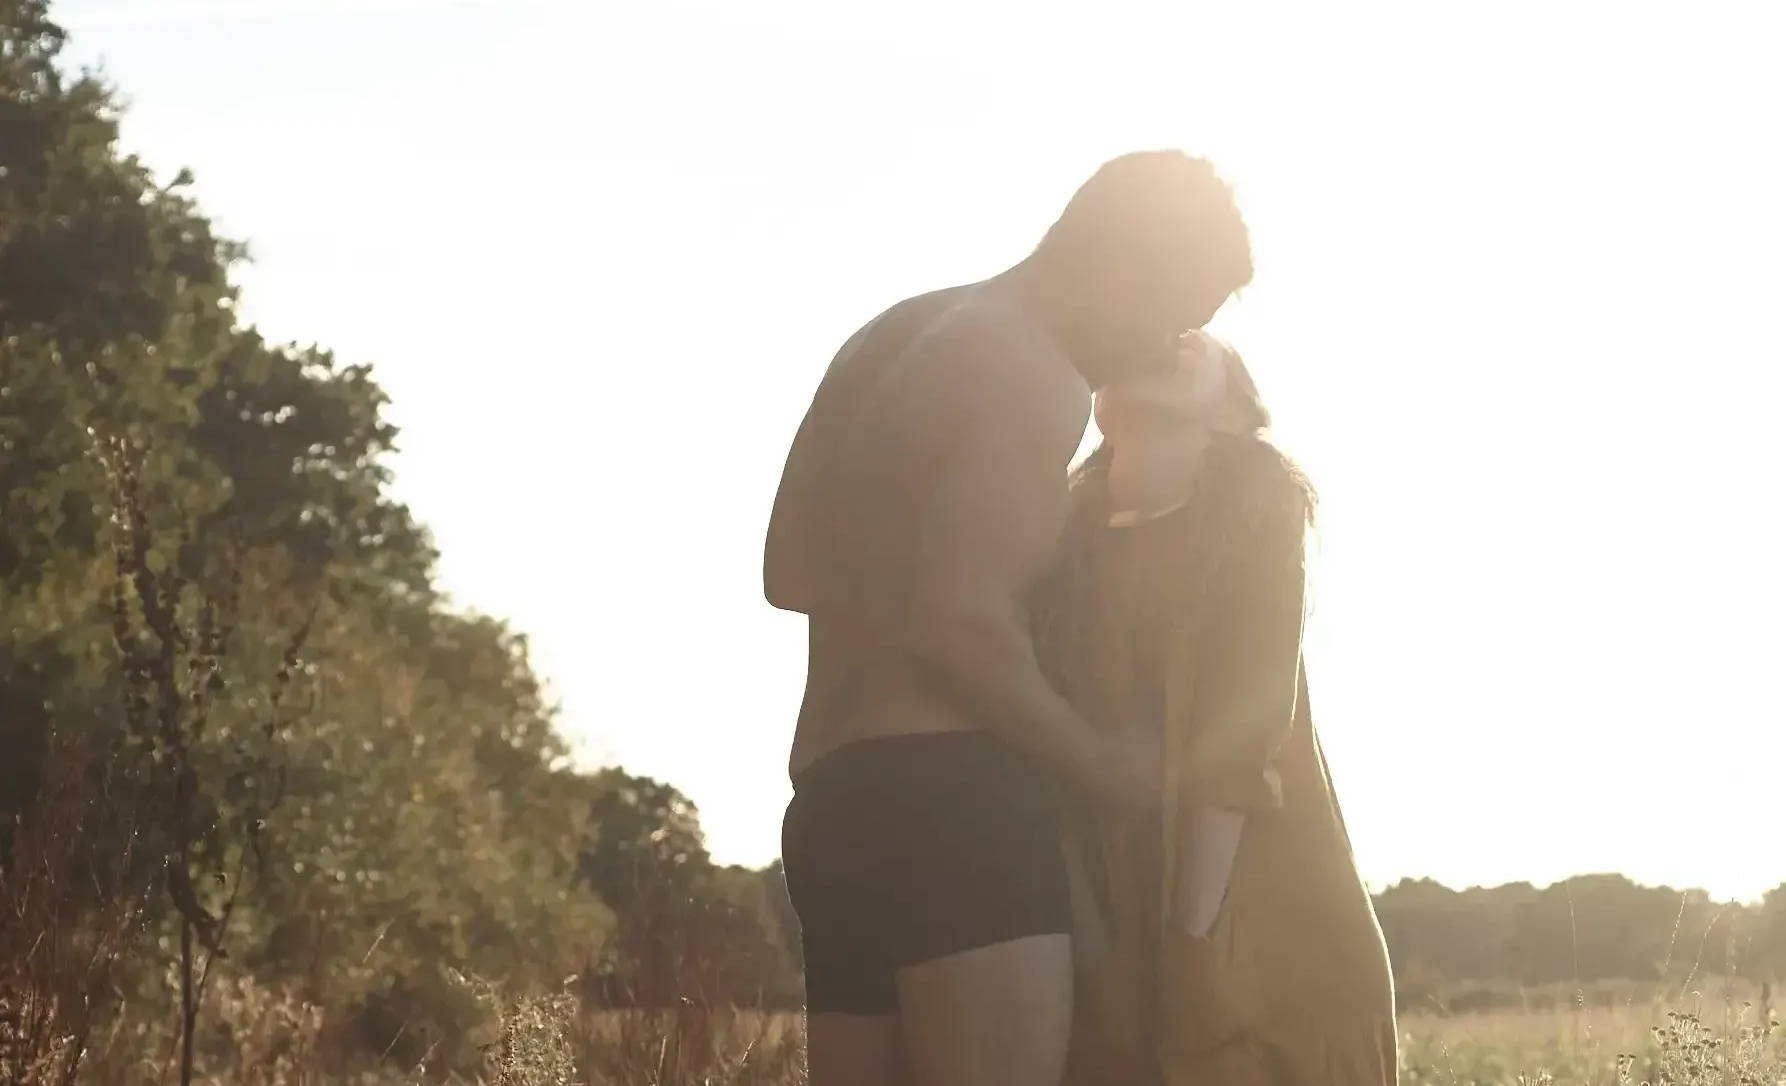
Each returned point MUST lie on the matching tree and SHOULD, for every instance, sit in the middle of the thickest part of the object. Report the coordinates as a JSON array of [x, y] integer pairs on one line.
[[687, 930], [426, 827], [421, 831]]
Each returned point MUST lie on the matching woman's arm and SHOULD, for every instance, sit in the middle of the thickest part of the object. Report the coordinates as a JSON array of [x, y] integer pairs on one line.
[[1243, 705], [1242, 712]]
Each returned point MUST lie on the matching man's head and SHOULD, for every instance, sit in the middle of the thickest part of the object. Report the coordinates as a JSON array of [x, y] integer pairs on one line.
[[1146, 250]]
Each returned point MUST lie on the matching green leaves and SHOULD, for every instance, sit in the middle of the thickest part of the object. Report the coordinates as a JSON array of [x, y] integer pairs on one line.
[[426, 823]]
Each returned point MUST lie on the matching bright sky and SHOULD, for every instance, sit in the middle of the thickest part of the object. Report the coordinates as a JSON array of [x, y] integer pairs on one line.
[[1519, 272]]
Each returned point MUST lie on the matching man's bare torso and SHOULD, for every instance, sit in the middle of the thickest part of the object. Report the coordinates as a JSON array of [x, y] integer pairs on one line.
[[889, 420]]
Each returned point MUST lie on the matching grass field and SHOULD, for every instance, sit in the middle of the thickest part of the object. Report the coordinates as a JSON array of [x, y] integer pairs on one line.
[[1699, 1038], [1718, 1037]]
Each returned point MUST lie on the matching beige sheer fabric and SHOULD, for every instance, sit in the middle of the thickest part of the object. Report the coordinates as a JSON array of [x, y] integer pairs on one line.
[[1198, 631]]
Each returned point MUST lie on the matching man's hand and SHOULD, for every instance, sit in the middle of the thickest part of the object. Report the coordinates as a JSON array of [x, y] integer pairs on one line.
[[989, 532]]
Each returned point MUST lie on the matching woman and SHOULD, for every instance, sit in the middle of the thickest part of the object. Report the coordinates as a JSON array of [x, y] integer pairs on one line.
[[1234, 943]]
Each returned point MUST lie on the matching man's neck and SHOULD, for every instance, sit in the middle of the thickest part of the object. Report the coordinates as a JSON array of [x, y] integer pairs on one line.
[[1046, 304]]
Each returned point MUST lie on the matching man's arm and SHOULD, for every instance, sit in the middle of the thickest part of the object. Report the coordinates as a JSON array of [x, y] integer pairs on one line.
[[989, 534], [787, 560], [1245, 712], [790, 580], [1245, 705]]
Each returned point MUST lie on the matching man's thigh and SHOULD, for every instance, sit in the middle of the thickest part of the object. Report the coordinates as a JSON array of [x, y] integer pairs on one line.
[[996, 1015]]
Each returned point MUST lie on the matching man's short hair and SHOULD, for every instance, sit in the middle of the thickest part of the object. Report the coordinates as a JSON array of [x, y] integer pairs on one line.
[[1155, 207]]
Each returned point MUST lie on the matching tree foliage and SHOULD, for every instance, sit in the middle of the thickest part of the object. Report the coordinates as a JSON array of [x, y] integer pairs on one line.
[[1585, 931], [428, 827]]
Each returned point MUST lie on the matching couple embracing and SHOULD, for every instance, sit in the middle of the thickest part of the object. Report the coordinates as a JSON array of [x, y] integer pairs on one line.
[[1060, 813]]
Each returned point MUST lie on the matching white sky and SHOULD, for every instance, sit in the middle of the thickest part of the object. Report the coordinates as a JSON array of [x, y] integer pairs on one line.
[[1518, 272]]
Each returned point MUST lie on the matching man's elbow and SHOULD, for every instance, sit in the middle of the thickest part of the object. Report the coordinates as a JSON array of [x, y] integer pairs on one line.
[[786, 582], [786, 595], [794, 604]]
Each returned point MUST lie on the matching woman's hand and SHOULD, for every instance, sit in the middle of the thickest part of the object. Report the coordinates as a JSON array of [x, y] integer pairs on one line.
[[1206, 861]]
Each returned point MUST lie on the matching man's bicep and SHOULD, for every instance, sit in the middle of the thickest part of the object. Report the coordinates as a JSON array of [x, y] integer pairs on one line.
[[790, 551], [787, 552]]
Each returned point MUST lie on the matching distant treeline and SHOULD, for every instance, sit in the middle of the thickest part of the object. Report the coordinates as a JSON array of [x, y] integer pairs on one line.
[[1458, 948]]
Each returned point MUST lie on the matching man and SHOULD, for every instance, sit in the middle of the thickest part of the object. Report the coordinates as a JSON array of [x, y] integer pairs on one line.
[[921, 503]]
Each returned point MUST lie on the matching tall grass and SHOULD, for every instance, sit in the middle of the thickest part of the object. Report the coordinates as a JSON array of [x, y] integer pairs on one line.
[[554, 1042], [1723, 1040], [72, 900]]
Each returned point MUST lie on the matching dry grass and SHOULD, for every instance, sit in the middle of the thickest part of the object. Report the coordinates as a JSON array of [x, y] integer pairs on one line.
[[551, 1042], [1695, 1041], [71, 902], [1699, 1040], [730, 1047]]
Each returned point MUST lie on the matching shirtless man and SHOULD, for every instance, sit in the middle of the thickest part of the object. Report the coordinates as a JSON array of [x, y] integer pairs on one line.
[[921, 503]]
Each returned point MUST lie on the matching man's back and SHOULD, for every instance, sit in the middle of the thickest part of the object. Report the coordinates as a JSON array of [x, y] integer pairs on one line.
[[868, 452], [891, 418]]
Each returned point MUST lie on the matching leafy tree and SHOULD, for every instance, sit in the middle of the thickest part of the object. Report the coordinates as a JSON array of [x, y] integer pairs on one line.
[[688, 930], [427, 829]]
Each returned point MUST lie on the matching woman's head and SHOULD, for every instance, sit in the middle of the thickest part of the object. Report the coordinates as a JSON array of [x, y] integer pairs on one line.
[[1207, 388], [1185, 451]]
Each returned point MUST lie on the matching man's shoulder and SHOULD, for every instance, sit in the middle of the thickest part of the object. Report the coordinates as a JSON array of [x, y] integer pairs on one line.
[[981, 343], [984, 318]]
